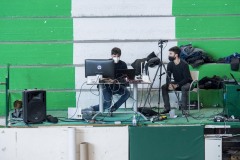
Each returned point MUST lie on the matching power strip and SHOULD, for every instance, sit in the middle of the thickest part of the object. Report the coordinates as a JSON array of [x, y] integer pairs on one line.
[[74, 113]]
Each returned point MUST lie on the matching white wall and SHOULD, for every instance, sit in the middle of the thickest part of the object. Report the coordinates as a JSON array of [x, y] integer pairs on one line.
[[33, 143], [105, 143], [121, 7], [134, 26], [47, 143]]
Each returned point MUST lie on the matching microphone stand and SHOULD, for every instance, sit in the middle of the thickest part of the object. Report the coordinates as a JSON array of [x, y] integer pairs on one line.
[[160, 43]]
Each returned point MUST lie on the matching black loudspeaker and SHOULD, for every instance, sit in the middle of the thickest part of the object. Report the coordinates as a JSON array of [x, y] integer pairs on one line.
[[34, 106]]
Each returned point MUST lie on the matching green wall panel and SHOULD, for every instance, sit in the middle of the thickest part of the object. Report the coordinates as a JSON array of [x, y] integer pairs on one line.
[[60, 100], [42, 78], [211, 98], [166, 143], [198, 7], [219, 69], [32, 54], [208, 27], [216, 48], [35, 8], [27, 28], [216, 94], [36, 29], [3, 75], [2, 103], [214, 27]]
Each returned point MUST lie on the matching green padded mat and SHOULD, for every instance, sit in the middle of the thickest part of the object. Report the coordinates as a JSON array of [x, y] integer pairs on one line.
[[166, 142], [202, 117]]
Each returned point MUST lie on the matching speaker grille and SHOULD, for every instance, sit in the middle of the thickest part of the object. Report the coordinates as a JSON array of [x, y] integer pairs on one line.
[[34, 106], [36, 111]]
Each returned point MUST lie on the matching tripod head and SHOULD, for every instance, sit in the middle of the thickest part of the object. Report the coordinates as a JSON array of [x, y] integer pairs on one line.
[[160, 42], [152, 61]]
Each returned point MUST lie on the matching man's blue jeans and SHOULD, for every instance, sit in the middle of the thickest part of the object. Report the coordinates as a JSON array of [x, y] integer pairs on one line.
[[109, 91]]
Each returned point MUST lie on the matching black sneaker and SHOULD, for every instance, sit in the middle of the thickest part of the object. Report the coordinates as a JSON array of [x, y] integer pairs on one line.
[[165, 111], [111, 110]]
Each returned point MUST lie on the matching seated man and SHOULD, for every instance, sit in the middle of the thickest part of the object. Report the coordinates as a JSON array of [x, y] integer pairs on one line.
[[110, 89], [182, 79]]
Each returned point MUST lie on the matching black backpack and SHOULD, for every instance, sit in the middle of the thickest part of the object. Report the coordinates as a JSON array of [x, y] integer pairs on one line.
[[214, 82], [146, 111]]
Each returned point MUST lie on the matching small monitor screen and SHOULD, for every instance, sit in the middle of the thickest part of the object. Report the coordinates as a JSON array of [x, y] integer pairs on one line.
[[104, 67]]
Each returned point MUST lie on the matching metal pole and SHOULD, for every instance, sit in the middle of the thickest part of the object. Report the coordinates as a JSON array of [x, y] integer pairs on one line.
[[150, 88], [160, 43], [7, 101], [7, 96]]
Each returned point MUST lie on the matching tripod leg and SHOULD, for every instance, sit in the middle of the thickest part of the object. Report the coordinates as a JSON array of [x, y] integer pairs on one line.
[[159, 89], [150, 88]]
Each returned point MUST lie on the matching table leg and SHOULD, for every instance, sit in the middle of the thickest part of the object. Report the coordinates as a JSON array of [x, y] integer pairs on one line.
[[101, 98], [135, 96]]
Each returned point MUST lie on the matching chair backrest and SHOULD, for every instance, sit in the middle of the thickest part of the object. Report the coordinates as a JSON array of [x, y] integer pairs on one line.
[[194, 75]]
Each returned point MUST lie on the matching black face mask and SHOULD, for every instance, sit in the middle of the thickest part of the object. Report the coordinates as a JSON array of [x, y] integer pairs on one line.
[[170, 58]]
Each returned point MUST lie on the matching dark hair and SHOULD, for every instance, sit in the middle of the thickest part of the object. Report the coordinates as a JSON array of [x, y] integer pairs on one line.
[[176, 50], [115, 51]]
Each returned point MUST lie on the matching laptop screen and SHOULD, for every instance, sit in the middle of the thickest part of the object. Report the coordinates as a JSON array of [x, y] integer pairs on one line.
[[125, 73]]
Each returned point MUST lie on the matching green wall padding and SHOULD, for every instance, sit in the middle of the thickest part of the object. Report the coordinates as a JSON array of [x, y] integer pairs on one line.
[[32, 8], [211, 98], [37, 33], [32, 54], [219, 69], [3, 74], [200, 7], [56, 78], [208, 27], [170, 143], [36, 29], [2, 103], [216, 48], [49, 78], [213, 26]]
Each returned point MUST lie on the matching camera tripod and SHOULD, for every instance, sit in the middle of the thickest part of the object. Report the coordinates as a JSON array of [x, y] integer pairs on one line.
[[160, 66]]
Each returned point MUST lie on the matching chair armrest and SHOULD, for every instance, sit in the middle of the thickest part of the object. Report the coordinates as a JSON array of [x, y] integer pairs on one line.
[[192, 83]]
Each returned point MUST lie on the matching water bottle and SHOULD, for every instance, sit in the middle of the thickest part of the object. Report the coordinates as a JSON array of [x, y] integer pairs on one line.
[[134, 121]]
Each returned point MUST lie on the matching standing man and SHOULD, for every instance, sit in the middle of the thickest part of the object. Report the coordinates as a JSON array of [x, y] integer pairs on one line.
[[182, 79], [111, 89]]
